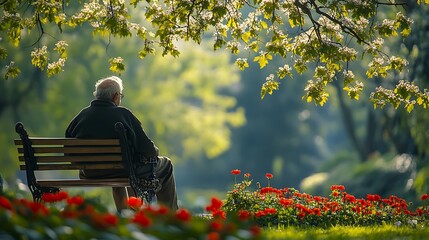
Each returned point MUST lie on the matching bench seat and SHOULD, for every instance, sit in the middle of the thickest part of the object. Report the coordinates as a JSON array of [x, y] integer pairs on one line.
[[60, 183]]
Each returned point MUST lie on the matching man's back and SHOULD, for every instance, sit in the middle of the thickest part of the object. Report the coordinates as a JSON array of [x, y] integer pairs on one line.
[[98, 121]]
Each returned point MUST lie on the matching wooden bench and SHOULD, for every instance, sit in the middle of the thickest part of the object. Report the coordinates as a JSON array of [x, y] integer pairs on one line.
[[59, 154]]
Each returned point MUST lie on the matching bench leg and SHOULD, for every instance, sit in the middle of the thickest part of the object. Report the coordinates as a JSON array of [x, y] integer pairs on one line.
[[37, 191]]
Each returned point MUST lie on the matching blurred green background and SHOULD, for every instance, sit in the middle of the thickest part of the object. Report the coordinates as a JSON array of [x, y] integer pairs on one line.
[[208, 117]]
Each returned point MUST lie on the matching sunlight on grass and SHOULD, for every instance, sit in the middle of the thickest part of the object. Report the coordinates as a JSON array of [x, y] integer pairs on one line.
[[343, 232]]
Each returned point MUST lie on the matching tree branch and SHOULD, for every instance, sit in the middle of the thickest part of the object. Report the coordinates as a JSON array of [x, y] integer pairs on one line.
[[392, 4], [42, 31], [307, 11], [188, 17], [345, 28]]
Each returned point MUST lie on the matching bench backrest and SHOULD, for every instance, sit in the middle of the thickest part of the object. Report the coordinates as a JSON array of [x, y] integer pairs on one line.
[[36, 153], [70, 153]]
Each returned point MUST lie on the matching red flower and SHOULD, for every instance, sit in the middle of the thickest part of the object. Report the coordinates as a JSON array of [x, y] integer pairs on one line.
[[134, 202], [260, 213], [266, 190], [62, 195], [89, 210], [104, 220], [247, 175], [317, 211], [216, 225], [49, 197], [350, 198], [338, 187], [183, 215], [303, 209], [317, 198], [110, 219], [5, 203], [162, 210], [255, 230], [270, 211], [76, 200], [38, 208], [285, 202], [269, 175], [69, 214], [235, 172], [141, 219], [219, 214], [216, 204], [243, 215], [213, 236], [54, 197], [333, 206], [373, 197], [424, 197]]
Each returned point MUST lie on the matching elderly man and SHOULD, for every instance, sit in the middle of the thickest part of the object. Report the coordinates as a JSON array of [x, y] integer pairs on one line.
[[97, 121]]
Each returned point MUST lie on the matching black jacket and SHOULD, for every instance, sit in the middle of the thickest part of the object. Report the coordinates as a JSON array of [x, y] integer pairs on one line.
[[97, 121]]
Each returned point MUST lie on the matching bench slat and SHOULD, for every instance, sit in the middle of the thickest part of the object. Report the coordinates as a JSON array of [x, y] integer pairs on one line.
[[38, 150], [69, 141], [75, 159], [104, 166], [114, 182]]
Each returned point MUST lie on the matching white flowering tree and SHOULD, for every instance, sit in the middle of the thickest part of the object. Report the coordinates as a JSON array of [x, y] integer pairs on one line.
[[322, 37]]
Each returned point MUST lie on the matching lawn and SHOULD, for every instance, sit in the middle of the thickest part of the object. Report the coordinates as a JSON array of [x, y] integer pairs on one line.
[[347, 232]]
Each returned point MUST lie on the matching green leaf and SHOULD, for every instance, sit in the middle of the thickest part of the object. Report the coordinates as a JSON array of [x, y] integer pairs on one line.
[[254, 46], [268, 87], [12, 71], [3, 53], [231, 23], [300, 67], [406, 32], [242, 63], [39, 57], [246, 36], [284, 71], [219, 43], [116, 65], [410, 107], [134, 2], [263, 59], [219, 12]]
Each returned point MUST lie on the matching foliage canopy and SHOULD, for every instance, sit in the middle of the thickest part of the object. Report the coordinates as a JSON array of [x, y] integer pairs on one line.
[[323, 37]]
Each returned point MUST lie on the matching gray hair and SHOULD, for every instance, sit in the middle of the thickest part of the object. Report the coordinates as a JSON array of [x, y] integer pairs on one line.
[[106, 88]]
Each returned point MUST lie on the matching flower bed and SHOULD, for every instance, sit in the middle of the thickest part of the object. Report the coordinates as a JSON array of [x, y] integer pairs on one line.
[[270, 206], [241, 215]]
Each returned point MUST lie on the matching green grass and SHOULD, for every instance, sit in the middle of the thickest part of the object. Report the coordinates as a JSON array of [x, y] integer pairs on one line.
[[342, 232]]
